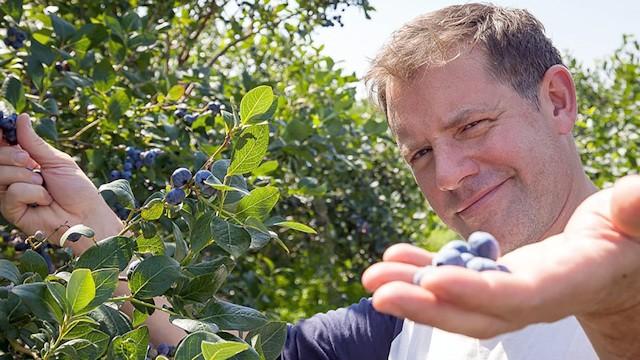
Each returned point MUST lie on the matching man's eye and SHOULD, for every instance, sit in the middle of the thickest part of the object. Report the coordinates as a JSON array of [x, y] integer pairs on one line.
[[470, 125], [420, 153]]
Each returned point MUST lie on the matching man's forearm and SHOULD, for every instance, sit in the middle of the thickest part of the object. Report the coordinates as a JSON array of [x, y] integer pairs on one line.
[[616, 336]]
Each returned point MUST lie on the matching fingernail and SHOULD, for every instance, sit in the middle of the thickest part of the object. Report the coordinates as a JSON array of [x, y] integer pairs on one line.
[[37, 179], [20, 157]]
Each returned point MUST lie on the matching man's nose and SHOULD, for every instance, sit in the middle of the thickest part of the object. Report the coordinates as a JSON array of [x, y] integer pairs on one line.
[[453, 164]]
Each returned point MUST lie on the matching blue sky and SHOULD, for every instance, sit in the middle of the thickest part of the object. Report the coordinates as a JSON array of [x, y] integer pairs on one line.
[[588, 29]]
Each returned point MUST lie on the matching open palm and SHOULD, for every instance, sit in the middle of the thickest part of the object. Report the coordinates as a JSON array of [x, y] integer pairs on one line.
[[591, 270]]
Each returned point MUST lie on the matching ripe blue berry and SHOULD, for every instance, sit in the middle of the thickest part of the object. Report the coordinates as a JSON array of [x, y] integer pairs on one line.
[[180, 113], [175, 196], [163, 349], [127, 175], [466, 257], [484, 245], [460, 245], [189, 119], [128, 166], [214, 107], [482, 264], [180, 177], [8, 126], [201, 176], [448, 257], [114, 175]]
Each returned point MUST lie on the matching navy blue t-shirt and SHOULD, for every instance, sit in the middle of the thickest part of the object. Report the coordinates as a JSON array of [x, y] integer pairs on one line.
[[355, 332]]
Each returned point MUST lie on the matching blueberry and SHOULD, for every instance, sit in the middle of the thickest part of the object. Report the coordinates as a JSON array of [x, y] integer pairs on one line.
[[148, 157], [484, 245], [42, 250], [128, 166], [201, 176], [448, 257], [11, 137], [127, 175], [460, 245], [180, 177], [114, 175], [214, 107], [163, 349], [466, 257], [175, 196], [180, 113], [138, 164], [59, 66], [189, 119], [132, 152], [20, 245], [132, 267], [482, 264]]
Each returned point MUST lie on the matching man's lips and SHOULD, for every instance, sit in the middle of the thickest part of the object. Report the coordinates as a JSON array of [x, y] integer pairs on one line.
[[478, 196]]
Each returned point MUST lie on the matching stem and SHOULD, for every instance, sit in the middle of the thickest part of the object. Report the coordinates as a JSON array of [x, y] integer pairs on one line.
[[61, 332], [142, 303], [135, 220]]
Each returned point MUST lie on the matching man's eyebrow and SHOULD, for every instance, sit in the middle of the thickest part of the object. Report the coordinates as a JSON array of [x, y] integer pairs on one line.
[[462, 115]]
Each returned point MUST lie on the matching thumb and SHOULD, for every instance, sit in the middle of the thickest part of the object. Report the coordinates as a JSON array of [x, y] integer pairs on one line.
[[40, 151], [625, 205]]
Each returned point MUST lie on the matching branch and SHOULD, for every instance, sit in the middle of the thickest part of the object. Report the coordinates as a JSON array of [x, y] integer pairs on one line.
[[184, 54]]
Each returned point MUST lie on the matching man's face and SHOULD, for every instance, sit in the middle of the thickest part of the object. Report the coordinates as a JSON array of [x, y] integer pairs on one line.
[[484, 157]]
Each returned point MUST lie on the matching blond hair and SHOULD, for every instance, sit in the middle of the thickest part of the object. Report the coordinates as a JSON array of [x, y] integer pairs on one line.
[[517, 52]]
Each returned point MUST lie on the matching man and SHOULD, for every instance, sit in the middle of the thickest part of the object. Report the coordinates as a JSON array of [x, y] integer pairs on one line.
[[482, 110]]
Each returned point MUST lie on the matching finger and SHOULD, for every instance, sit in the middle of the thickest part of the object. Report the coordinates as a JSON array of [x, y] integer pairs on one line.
[[43, 153], [625, 205], [409, 254], [409, 301], [383, 272], [14, 174], [18, 196], [500, 294], [12, 155]]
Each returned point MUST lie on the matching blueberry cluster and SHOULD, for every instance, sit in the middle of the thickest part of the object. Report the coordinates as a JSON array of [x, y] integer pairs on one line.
[[181, 178], [162, 349], [8, 126], [15, 38], [181, 112], [39, 242], [479, 253], [135, 159]]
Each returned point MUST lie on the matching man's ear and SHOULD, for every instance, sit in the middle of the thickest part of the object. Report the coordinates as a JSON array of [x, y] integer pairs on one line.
[[557, 96]]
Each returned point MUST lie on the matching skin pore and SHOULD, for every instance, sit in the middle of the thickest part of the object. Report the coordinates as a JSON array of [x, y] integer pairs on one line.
[[485, 157]]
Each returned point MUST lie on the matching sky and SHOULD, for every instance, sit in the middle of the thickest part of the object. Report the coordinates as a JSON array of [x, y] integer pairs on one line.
[[588, 29]]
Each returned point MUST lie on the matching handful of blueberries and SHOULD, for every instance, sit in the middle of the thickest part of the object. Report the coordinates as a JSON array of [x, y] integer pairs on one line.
[[479, 253], [8, 126]]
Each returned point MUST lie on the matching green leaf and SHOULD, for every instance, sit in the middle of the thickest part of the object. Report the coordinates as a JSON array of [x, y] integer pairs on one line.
[[112, 321], [104, 76], [132, 345], [106, 281], [216, 184], [191, 325], [190, 348], [46, 128], [154, 276], [153, 210], [31, 261], [118, 191], [222, 350], [203, 287], [265, 168], [230, 316], [75, 232], [153, 245], [175, 93], [81, 289], [113, 252], [139, 317], [81, 349], [256, 102], [35, 71], [9, 271], [258, 203], [34, 296], [88, 332], [181, 245], [296, 226], [13, 91], [42, 53], [13, 8], [201, 233], [63, 29], [232, 238], [56, 299], [119, 103], [250, 150], [272, 337]]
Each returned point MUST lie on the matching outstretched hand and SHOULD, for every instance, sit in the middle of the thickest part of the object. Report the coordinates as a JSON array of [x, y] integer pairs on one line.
[[591, 270], [63, 193]]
